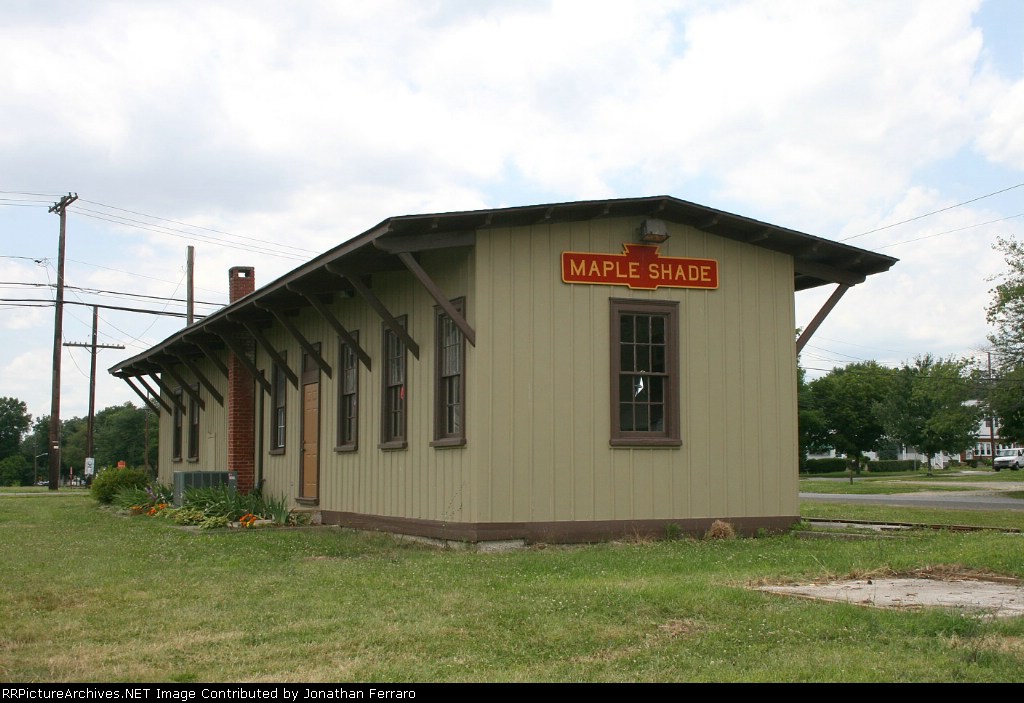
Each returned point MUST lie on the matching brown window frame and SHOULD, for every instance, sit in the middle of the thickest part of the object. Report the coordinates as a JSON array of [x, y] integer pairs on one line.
[[449, 412], [348, 396], [661, 377], [176, 425], [279, 407], [193, 427], [394, 418]]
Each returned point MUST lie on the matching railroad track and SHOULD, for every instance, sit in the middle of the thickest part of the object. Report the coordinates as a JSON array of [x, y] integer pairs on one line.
[[885, 526]]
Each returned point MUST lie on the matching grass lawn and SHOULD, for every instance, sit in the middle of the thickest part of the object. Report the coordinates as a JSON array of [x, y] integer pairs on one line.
[[92, 596]]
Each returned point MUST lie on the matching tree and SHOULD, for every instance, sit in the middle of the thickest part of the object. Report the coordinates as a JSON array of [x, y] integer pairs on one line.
[[1006, 312], [846, 398], [37, 441], [72, 448], [813, 432], [15, 470], [121, 435], [14, 423], [928, 407], [73, 432], [1005, 400]]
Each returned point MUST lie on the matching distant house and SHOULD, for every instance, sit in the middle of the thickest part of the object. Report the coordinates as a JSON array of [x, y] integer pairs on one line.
[[563, 372], [989, 441]]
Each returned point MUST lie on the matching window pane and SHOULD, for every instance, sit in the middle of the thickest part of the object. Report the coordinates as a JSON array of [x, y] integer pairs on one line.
[[658, 359], [626, 388], [627, 361], [656, 386], [657, 417], [643, 329], [641, 420], [626, 328], [658, 329], [626, 417]]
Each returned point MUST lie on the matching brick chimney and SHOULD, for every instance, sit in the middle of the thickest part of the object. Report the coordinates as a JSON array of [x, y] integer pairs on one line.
[[241, 394]]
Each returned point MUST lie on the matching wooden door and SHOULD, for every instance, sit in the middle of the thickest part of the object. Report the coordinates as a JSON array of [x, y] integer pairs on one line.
[[310, 440]]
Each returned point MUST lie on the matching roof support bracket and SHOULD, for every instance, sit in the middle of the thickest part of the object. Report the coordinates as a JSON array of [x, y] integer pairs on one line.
[[211, 355], [812, 327], [146, 400], [202, 379], [394, 244], [272, 353], [438, 295], [328, 316], [828, 273], [243, 357], [153, 393], [379, 307], [169, 391], [303, 342], [185, 385]]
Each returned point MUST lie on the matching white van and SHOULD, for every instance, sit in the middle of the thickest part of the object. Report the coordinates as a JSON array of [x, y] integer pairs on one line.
[[1009, 458]]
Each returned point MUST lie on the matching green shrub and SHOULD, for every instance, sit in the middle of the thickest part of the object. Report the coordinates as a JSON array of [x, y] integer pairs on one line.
[[108, 482], [274, 508], [827, 466], [161, 493], [221, 501], [213, 522], [127, 497], [891, 466], [185, 516]]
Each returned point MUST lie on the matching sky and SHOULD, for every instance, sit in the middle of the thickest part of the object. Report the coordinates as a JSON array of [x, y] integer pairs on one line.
[[263, 133]]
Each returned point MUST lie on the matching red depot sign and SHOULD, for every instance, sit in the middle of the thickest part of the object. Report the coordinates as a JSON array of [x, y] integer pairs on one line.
[[640, 267]]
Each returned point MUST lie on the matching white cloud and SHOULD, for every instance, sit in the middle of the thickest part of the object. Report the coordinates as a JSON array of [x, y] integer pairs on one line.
[[306, 124]]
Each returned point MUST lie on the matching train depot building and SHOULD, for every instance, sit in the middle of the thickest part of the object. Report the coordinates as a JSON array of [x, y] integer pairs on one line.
[[554, 373]]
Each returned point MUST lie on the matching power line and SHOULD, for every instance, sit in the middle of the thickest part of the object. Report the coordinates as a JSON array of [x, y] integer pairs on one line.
[[37, 303], [99, 291], [934, 212], [139, 275], [951, 231], [49, 196], [208, 229], [8, 201], [180, 234]]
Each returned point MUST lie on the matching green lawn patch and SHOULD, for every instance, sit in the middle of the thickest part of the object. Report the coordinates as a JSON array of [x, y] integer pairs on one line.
[[90, 595]]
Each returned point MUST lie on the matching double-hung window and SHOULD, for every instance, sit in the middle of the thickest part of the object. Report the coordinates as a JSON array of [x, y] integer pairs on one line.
[[348, 396], [176, 432], [193, 426], [449, 378], [644, 373], [393, 407], [279, 411]]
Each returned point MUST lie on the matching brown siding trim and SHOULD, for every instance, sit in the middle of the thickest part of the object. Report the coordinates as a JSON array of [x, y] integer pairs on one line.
[[565, 532]]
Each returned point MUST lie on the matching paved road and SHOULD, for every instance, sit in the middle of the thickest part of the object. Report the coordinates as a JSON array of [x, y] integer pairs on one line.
[[991, 498]]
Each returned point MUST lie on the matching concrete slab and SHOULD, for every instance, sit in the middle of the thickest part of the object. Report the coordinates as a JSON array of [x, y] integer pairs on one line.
[[972, 596]]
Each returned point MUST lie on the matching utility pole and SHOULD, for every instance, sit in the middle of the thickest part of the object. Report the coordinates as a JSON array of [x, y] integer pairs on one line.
[[190, 264], [991, 417], [60, 208], [89, 454]]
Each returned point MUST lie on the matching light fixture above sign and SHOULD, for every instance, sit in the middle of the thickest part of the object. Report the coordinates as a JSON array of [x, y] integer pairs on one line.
[[653, 231]]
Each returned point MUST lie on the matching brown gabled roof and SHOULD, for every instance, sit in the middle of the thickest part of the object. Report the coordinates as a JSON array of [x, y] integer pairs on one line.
[[817, 261]]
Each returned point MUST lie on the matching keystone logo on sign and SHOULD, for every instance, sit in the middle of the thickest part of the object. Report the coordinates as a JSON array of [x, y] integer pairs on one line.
[[640, 268]]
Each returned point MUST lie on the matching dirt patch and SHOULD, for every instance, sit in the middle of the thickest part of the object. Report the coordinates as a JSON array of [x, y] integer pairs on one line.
[[980, 595]]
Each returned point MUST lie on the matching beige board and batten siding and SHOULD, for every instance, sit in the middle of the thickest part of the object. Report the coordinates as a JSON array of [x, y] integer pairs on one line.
[[418, 482], [213, 422], [543, 359]]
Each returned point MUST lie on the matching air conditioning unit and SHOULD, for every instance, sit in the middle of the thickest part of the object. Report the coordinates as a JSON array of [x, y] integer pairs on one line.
[[187, 480]]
